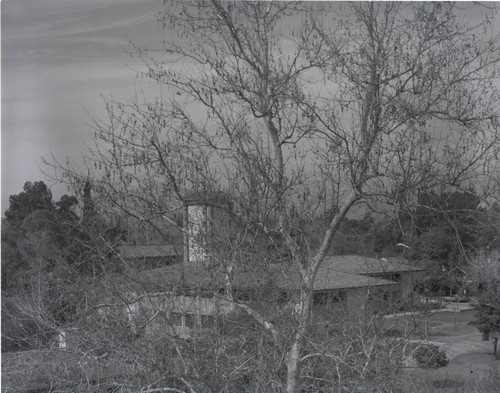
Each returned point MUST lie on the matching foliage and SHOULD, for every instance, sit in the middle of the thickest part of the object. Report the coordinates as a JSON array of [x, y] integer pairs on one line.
[[487, 318], [430, 356], [448, 227], [47, 258], [294, 112], [347, 354], [35, 196]]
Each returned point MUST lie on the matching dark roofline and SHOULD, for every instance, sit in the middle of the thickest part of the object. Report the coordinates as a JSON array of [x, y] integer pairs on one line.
[[387, 284], [211, 198], [149, 250], [414, 270]]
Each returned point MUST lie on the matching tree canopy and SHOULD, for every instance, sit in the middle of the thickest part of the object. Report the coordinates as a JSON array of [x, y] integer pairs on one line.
[[293, 110], [35, 196], [48, 251]]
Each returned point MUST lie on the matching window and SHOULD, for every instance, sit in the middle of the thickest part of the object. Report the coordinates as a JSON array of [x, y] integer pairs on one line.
[[184, 320], [320, 298], [176, 319], [328, 297], [245, 295], [190, 321], [337, 297], [207, 321]]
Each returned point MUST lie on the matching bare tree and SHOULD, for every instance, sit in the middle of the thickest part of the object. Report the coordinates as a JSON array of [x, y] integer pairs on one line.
[[296, 109]]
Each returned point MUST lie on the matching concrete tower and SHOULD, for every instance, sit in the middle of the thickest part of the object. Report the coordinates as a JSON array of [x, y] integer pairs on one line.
[[203, 218]]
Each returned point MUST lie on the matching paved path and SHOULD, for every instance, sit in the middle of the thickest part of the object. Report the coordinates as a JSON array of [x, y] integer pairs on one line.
[[456, 338], [459, 345]]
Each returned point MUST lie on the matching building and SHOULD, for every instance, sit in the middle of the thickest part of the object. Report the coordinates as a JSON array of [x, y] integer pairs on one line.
[[194, 293], [392, 269], [191, 294], [150, 256]]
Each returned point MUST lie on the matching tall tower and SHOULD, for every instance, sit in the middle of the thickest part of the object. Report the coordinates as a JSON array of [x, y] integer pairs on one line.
[[203, 218]]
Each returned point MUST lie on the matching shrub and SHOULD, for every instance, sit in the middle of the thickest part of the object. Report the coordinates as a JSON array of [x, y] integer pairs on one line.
[[430, 356]]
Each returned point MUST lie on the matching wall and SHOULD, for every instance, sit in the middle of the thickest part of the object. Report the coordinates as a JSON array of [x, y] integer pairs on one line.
[[197, 233], [177, 313]]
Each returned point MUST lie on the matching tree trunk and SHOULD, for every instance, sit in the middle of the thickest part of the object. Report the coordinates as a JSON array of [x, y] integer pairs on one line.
[[296, 349], [495, 348], [306, 294]]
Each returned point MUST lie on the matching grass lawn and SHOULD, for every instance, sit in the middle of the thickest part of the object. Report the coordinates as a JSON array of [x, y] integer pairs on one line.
[[472, 367], [467, 373]]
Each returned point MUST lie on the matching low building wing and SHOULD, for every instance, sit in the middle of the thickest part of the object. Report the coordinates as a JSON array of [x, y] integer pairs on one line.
[[180, 276], [150, 256], [289, 279], [149, 250], [328, 278]]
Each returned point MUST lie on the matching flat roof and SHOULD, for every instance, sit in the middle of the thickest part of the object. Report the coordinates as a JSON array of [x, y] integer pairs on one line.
[[276, 276]]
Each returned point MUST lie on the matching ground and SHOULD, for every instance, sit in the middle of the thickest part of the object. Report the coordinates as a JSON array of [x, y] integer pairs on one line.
[[49, 370], [472, 366]]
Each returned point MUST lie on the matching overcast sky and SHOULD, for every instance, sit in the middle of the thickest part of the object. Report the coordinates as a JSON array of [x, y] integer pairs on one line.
[[58, 56]]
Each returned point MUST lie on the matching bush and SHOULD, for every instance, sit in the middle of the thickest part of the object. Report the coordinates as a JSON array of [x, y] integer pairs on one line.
[[430, 356]]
